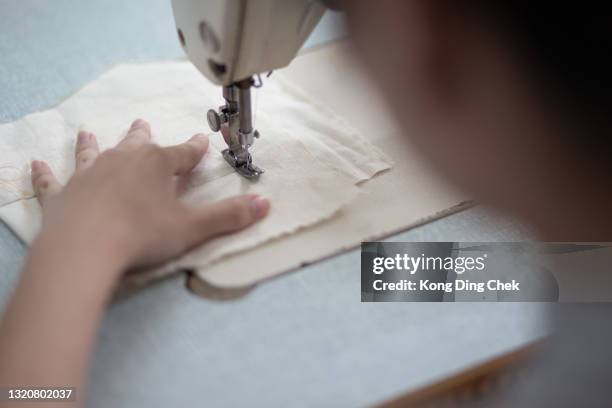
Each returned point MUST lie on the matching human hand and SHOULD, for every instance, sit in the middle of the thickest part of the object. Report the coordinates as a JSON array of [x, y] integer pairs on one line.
[[123, 203]]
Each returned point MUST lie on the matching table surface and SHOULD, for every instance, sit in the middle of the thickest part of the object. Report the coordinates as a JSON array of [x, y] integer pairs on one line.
[[303, 339]]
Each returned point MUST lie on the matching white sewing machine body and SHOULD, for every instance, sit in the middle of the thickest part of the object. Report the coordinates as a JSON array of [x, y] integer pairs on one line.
[[230, 41]]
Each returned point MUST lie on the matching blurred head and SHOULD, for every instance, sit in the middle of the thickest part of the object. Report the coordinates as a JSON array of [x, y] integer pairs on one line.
[[504, 100]]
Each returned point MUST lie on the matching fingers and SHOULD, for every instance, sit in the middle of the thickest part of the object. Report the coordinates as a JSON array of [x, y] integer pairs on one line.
[[43, 181], [138, 135], [229, 215], [185, 156], [86, 151]]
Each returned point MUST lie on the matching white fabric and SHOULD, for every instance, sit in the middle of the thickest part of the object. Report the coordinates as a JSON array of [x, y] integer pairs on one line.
[[313, 160]]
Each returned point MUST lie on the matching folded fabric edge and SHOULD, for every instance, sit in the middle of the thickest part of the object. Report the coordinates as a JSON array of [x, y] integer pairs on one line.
[[214, 283], [14, 215], [172, 267], [383, 161]]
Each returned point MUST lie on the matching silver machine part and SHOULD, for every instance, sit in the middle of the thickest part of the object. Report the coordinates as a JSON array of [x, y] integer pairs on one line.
[[236, 115], [229, 42]]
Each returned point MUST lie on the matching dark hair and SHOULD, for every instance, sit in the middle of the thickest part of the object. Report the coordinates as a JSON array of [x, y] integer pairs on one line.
[[566, 43]]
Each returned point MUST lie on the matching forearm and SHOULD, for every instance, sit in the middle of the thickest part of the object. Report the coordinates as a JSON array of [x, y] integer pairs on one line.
[[49, 328]]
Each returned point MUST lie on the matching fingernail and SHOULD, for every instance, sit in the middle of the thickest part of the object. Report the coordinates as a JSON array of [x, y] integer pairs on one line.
[[260, 206], [35, 165], [82, 137], [138, 123]]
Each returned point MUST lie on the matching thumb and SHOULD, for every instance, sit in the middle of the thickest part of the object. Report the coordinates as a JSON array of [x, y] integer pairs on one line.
[[230, 215]]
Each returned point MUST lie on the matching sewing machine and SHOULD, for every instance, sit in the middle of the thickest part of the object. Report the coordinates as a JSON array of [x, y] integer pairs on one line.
[[232, 42]]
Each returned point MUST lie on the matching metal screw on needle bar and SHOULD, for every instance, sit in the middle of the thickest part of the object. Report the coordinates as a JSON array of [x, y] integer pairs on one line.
[[214, 120]]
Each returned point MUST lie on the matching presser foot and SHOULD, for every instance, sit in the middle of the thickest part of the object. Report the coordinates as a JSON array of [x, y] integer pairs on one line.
[[246, 168]]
